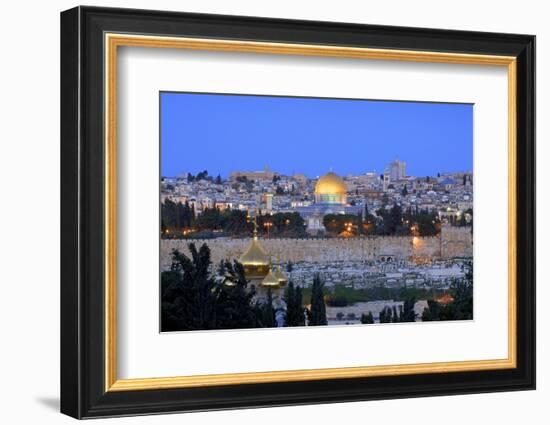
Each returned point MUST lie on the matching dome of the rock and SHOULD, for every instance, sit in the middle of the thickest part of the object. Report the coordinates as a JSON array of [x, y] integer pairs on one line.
[[331, 189]]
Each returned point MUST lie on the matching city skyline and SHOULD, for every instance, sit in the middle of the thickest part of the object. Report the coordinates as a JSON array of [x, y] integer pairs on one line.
[[431, 137]]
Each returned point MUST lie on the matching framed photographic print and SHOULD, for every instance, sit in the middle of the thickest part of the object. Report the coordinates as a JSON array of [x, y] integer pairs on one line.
[[261, 212]]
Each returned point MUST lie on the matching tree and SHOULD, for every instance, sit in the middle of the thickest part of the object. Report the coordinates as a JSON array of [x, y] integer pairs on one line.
[[219, 179], [234, 222], [338, 223], [368, 221], [294, 311], [169, 214], [318, 315], [395, 316], [210, 219], [392, 221], [404, 192], [236, 308], [171, 299], [290, 225], [432, 312], [188, 215], [175, 217], [289, 267], [409, 314], [194, 299], [188, 292], [462, 292], [367, 318], [385, 315], [461, 306], [268, 312], [203, 175], [426, 315]]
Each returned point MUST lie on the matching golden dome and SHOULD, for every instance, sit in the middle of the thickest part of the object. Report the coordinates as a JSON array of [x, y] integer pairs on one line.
[[270, 280], [255, 261], [281, 277], [255, 255], [330, 184]]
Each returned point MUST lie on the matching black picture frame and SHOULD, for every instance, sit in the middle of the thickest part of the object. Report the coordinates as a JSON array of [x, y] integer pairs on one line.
[[83, 392]]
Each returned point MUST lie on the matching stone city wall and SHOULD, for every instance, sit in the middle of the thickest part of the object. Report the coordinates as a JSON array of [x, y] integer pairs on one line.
[[452, 242]]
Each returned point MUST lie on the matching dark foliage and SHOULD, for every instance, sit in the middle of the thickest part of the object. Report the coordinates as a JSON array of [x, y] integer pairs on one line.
[[193, 299], [462, 305], [317, 314], [367, 318], [282, 225], [294, 308]]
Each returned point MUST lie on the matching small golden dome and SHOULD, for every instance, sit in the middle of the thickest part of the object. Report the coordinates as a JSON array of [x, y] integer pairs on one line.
[[255, 255], [330, 184], [270, 280], [281, 277], [255, 261]]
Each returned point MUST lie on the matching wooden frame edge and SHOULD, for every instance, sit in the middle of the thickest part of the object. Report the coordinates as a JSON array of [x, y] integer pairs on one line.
[[307, 375]]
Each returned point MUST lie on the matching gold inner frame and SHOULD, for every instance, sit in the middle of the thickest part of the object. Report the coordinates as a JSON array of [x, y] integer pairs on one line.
[[113, 41]]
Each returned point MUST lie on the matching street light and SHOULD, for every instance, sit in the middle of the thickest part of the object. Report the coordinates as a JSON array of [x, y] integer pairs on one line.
[[268, 224]]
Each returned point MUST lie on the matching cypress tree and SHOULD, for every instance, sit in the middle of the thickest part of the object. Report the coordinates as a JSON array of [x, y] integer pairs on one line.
[[289, 300], [395, 316], [268, 312], [382, 316], [318, 315], [408, 310], [367, 318], [294, 315], [386, 315]]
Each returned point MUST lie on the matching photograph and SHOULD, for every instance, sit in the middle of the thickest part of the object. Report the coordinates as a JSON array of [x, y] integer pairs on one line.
[[277, 209], [285, 211]]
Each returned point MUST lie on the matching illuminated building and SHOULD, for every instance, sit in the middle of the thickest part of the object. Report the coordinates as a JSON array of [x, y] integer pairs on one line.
[[255, 260], [257, 265], [266, 174], [330, 198], [330, 189]]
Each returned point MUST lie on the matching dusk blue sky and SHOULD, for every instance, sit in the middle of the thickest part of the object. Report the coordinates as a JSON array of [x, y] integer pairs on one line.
[[224, 133]]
